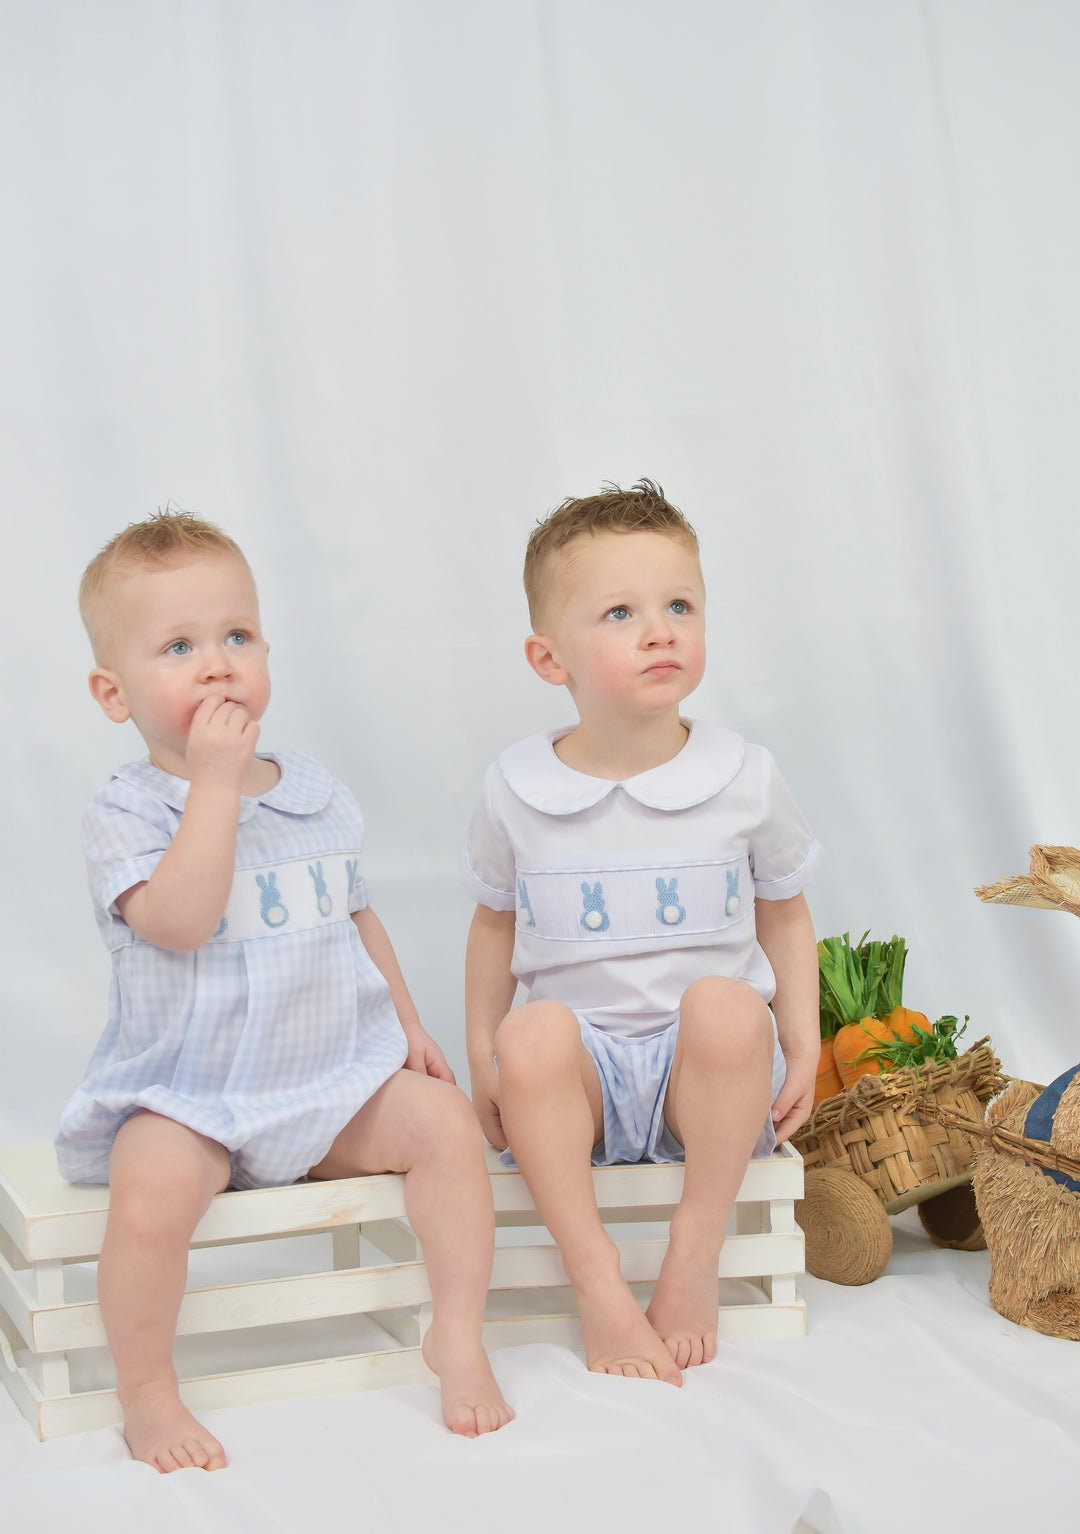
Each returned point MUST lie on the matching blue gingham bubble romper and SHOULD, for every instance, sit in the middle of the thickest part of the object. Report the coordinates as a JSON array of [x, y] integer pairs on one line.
[[270, 1036]]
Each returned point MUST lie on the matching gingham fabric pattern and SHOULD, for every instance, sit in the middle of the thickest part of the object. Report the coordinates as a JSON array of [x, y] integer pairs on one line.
[[268, 1045], [634, 1076]]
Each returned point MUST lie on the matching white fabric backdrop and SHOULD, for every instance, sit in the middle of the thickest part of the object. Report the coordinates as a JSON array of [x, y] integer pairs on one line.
[[376, 284]]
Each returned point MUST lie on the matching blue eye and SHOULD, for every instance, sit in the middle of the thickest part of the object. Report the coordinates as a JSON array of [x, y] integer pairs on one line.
[[237, 637], [179, 647], [618, 614], [679, 606]]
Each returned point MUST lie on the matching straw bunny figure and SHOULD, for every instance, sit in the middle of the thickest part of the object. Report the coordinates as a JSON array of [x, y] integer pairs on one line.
[[1031, 1214]]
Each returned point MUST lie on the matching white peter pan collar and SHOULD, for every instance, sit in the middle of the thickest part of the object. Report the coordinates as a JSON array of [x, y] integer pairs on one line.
[[707, 763], [303, 791]]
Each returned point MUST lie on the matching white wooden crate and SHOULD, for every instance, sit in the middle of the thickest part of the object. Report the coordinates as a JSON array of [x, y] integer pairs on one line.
[[46, 1223]]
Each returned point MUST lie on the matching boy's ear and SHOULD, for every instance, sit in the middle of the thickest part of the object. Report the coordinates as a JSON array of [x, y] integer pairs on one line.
[[105, 689], [542, 659]]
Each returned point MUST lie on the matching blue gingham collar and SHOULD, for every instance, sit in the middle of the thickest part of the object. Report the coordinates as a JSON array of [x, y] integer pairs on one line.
[[707, 763], [303, 788]]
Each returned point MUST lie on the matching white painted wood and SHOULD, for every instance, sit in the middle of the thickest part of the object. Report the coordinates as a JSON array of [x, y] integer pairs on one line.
[[394, 1237], [403, 1324], [782, 1217], [751, 1218], [307, 1297], [49, 1282], [325, 1376], [345, 1243], [49, 1371], [761, 1323], [45, 1220], [20, 1386], [10, 1253], [16, 1302], [780, 1288]]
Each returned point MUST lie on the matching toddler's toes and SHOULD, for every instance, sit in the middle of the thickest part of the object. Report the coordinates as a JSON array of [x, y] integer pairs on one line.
[[679, 1348], [461, 1419]]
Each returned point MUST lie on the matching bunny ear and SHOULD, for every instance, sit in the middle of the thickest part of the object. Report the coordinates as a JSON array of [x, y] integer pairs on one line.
[[585, 890], [260, 881]]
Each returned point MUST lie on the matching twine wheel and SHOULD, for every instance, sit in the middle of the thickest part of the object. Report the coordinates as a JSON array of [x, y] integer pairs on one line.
[[848, 1236], [951, 1219]]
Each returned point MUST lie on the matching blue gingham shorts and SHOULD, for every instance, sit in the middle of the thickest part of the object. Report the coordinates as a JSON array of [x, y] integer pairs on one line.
[[634, 1074]]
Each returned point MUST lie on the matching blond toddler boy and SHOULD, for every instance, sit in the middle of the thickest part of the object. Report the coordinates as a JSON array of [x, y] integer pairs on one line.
[[641, 874], [260, 1028]]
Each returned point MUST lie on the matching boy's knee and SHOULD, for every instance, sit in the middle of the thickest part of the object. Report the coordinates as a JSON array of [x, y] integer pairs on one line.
[[716, 994], [538, 1038], [153, 1208], [446, 1122], [725, 1020]]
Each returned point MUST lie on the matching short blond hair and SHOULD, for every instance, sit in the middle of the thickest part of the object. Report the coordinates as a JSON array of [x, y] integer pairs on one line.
[[641, 509], [164, 538]]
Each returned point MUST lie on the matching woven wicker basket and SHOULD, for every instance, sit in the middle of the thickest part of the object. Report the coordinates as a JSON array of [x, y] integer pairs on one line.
[[868, 1154]]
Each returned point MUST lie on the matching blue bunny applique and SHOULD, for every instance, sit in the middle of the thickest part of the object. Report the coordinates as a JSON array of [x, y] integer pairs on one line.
[[322, 894], [593, 917], [668, 909], [529, 920], [271, 909], [732, 903], [350, 869]]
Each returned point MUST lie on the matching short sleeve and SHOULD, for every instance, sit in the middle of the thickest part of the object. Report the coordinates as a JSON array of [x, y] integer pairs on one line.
[[125, 832], [784, 853], [487, 861]]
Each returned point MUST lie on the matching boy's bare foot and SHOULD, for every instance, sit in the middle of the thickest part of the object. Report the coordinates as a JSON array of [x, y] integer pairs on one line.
[[618, 1337], [684, 1308], [159, 1430], [472, 1402]]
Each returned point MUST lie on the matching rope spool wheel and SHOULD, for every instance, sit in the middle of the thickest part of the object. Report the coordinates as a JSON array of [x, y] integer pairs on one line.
[[848, 1235], [951, 1219]]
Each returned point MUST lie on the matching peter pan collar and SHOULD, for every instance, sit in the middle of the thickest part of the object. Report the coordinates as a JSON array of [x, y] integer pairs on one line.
[[303, 788], [707, 763]]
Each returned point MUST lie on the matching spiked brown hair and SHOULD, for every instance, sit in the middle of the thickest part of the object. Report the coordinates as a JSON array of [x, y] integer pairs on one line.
[[642, 508]]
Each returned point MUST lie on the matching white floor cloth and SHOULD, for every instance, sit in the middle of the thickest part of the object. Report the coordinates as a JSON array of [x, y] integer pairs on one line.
[[911, 1405]]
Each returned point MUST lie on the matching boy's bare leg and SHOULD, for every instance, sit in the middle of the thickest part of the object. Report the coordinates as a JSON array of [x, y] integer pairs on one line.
[[718, 1099], [427, 1129], [552, 1112], [162, 1177]]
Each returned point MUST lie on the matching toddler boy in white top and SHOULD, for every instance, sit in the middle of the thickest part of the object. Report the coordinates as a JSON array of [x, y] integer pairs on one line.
[[641, 875]]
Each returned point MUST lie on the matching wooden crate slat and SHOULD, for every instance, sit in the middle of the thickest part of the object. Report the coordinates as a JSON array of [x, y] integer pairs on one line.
[[47, 1221]]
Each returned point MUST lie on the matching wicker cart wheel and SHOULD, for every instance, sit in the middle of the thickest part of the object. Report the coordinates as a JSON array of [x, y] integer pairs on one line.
[[951, 1219], [848, 1236]]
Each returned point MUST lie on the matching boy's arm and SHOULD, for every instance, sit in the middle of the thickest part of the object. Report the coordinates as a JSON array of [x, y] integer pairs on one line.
[[182, 902], [786, 933], [424, 1054], [489, 992]]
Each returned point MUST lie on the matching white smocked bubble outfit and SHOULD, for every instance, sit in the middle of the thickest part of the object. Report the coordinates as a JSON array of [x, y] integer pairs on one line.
[[626, 892], [269, 1037]]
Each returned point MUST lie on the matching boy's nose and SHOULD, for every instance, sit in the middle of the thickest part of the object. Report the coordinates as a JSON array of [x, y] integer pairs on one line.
[[659, 632], [215, 664]]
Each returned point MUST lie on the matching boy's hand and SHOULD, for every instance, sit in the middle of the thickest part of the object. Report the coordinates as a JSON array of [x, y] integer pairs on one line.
[[426, 1057], [485, 1096], [221, 742], [795, 1098]]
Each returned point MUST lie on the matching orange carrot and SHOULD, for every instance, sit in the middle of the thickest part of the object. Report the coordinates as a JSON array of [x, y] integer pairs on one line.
[[852, 1042]]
